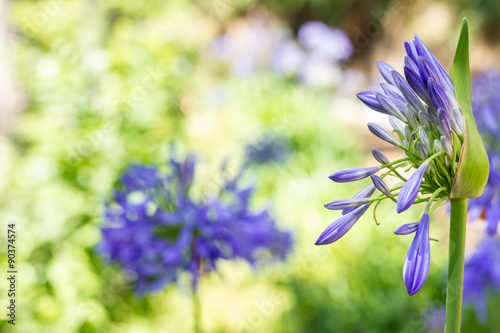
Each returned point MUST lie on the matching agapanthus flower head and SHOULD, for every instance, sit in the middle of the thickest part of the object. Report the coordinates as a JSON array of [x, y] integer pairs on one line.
[[429, 127], [157, 228], [482, 274]]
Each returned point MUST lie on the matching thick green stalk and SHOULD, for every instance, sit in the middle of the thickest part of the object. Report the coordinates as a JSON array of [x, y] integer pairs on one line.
[[456, 258]]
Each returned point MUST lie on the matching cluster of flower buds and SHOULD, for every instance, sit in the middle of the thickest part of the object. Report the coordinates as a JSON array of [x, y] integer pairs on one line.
[[424, 113]]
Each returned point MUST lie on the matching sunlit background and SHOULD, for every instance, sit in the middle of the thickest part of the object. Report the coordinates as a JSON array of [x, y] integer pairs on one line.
[[89, 87]]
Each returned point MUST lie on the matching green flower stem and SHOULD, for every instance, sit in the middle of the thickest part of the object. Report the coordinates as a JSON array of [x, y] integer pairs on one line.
[[458, 221], [394, 162], [196, 312]]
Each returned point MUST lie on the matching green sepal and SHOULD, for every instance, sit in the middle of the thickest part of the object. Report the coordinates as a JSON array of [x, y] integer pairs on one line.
[[473, 166]]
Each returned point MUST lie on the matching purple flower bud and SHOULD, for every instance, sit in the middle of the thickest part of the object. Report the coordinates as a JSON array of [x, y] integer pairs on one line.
[[397, 125], [410, 189], [380, 185], [341, 226], [438, 147], [424, 137], [381, 133], [391, 105], [398, 78], [442, 76], [410, 96], [424, 73], [411, 50], [386, 71], [459, 120], [367, 192], [411, 116], [438, 95], [422, 150], [350, 175], [418, 258], [393, 91], [418, 85], [369, 99], [444, 123], [447, 147], [411, 64], [379, 156], [424, 119], [407, 228], [347, 203]]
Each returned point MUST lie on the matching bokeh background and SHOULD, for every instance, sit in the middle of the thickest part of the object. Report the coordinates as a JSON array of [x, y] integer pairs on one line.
[[88, 87]]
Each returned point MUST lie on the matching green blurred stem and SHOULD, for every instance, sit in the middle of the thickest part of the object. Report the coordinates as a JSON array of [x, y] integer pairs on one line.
[[456, 258], [196, 312]]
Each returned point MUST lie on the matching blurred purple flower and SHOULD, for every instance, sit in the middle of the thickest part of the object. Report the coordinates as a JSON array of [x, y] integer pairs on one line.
[[156, 229], [267, 150], [330, 44], [287, 57], [486, 107], [482, 274]]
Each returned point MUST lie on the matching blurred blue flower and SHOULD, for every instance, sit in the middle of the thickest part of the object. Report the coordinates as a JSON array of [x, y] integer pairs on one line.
[[482, 274], [486, 107], [315, 60], [330, 44], [267, 150], [155, 227], [422, 105], [287, 58]]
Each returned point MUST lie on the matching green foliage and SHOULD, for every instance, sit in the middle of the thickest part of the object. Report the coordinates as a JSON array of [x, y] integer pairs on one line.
[[473, 169]]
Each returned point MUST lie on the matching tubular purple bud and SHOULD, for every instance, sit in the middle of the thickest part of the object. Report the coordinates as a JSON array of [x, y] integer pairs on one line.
[[410, 189], [422, 150], [369, 99], [386, 71], [438, 147], [418, 258], [379, 156], [392, 91], [438, 96], [347, 203], [397, 125], [367, 192], [350, 175], [459, 120], [381, 133], [444, 123], [424, 119], [424, 137], [424, 70], [418, 85], [389, 105], [411, 64], [341, 226], [411, 50], [410, 96], [442, 75], [407, 228], [398, 78], [411, 116], [381, 185], [447, 146]]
